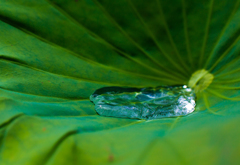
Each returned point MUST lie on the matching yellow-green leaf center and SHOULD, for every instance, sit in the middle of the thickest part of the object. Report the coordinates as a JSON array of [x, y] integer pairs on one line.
[[200, 80]]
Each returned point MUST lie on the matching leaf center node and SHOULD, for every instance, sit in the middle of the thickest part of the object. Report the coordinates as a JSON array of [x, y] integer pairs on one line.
[[200, 80]]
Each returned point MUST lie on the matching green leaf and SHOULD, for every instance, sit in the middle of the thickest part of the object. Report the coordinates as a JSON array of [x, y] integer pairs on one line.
[[55, 53]]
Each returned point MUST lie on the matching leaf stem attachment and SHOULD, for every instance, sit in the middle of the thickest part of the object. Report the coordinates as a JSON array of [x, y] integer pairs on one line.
[[200, 80]]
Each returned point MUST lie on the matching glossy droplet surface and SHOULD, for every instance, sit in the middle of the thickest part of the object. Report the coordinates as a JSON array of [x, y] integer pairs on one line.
[[144, 103]]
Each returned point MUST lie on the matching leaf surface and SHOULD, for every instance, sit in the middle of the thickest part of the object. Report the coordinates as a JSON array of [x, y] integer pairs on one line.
[[55, 53]]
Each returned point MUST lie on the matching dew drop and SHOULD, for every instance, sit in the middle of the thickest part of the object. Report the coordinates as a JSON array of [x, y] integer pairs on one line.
[[144, 103]]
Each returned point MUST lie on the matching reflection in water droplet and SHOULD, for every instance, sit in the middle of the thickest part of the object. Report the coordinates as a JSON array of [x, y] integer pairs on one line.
[[144, 103]]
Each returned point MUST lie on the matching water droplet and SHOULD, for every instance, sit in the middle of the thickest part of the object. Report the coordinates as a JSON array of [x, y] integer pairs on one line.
[[144, 103]]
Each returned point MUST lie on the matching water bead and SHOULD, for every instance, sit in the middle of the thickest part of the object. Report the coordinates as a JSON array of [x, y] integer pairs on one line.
[[144, 103]]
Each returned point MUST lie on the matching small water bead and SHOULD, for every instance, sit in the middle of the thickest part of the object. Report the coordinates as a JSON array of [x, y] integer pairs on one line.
[[144, 103]]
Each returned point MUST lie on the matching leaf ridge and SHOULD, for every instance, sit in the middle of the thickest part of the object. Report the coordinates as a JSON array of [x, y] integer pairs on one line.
[[224, 87], [70, 99], [171, 39], [206, 33], [227, 81], [106, 42], [206, 102], [57, 144], [224, 54], [221, 34], [153, 38], [123, 32], [174, 123], [71, 77], [11, 120], [84, 58], [186, 33], [226, 66], [222, 96], [226, 74]]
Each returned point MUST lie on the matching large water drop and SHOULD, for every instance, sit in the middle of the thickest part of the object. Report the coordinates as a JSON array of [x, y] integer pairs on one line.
[[144, 103]]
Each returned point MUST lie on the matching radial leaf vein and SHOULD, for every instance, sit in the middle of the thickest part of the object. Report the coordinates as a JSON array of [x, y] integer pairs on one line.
[[57, 144], [11, 120], [74, 78], [228, 73], [206, 33], [146, 151], [226, 66], [222, 96], [174, 123], [222, 33], [124, 33], [224, 87], [171, 39], [89, 60], [205, 98], [70, 99], [226, 81], [108, 43], [186, 33], [224, 54], [154, 38]]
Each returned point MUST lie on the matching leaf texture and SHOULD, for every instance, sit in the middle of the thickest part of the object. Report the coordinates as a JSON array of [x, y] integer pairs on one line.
[[55, 53]]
